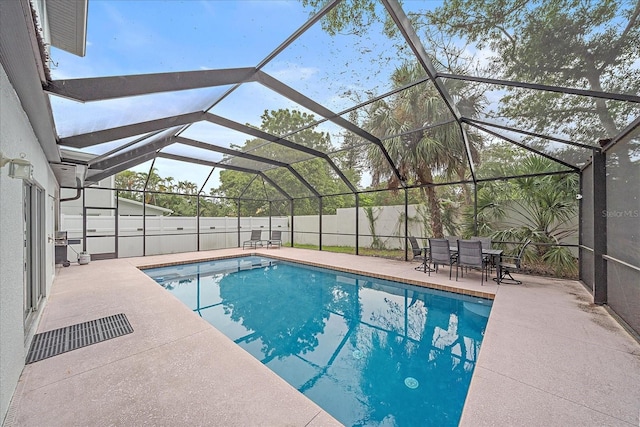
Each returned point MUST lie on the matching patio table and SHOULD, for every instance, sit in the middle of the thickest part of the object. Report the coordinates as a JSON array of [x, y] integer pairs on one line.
[[495, 254]]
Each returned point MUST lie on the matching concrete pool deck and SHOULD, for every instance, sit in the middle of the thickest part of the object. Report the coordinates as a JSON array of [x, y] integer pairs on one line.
[[548, 356]]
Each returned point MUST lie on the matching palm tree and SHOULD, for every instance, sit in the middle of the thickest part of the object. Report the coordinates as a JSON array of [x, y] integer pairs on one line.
[[421, 137], [128, 180], [540, 208], [153, 182], [186, 187]]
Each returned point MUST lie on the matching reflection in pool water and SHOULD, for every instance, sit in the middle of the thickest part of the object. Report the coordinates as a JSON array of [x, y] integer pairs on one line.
[[368, 351]]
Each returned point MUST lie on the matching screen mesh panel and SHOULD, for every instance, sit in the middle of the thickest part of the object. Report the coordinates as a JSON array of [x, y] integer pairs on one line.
[[623, 230], [623, 293]]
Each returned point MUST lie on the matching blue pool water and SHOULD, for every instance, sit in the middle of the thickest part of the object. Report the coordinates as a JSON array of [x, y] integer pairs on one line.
[[368, 351]]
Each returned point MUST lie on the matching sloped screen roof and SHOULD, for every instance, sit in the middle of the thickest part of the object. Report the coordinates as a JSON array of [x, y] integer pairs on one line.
[[330, 98]]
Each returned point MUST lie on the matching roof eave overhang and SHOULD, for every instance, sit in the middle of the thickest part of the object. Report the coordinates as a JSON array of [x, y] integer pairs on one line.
[[20, 58], [68, 25]]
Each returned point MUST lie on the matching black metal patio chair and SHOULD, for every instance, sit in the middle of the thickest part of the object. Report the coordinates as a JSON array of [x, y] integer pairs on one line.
[[254, 240], [487, 243], [470, 255], [275, 240], [511, 264], [418, 254], [453, 240], [439, 254]]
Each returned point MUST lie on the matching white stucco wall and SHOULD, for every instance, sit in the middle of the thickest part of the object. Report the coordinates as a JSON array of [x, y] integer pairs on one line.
[[17, 136]]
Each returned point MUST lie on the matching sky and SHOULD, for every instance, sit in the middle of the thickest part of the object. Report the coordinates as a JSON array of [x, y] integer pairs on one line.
[[152, 36], [148, 36]]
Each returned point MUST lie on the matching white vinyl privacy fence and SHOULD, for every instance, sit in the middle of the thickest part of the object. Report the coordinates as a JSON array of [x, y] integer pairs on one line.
[[155, 235]]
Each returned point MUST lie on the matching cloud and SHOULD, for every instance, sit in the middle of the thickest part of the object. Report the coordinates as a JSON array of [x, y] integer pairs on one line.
[[289, 72]]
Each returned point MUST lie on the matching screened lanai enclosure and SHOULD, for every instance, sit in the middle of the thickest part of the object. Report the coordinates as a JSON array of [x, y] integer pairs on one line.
[[352, 125]]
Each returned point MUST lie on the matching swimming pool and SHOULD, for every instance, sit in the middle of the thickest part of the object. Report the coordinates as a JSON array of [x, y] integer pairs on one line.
[[368, 351]]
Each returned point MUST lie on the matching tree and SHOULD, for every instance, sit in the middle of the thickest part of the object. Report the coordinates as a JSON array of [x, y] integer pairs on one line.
[[316, 171], [586, 44], [418, 151], [166, 193], [129, 180], [540, 208], [569, 43], [352, 148]]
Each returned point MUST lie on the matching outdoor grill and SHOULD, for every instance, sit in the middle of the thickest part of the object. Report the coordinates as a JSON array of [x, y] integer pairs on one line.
[[62, 242]]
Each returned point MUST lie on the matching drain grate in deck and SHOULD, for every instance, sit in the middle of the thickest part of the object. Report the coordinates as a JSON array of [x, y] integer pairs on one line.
[[51, 343]]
